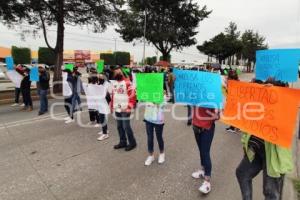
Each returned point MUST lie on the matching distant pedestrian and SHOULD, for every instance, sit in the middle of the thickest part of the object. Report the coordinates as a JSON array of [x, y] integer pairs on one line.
[[93, 113], [19, 69], [204, 130], [43, 88], [68, 85], [77, 90], [154, 121], [26, 91], [171, 81], [123, 101], [104, 108]]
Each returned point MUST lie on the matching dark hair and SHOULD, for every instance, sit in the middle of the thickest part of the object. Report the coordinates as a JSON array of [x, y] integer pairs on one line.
[[232, 75], [273, 81]]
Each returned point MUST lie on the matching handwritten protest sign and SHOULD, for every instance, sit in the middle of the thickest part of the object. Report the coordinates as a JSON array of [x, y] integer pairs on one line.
[[100, 66], [15, 77], [69, 67], [282, 64], [150, 87], [9, 63], [95, 96], [67, 90], [34, 74], [267, 112], [197, 88]]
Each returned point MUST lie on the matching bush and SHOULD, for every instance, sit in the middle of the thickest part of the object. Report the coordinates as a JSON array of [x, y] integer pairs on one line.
[[46, 56], [21, 55], [108, 58], [122, 58]]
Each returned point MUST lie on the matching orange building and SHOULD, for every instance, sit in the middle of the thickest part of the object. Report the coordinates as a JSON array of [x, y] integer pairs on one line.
[[4, 52]]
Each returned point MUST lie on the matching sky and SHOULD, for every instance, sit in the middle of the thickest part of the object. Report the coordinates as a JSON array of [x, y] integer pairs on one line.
[[277, 20]]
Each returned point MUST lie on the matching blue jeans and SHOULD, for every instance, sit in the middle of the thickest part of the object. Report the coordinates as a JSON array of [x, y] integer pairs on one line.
[[204, 138], [76, 103], [124, 128], [150, 127], [246, 171], [43, 100]]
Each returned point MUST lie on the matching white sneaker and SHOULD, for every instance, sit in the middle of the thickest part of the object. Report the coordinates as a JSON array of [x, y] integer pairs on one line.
[[205, 188], [198, 174], [91, 123], [22, 105], [15, 104], [69, 121], [149, 161], [67, 118], [103, 137], [161, 158], [97, 125]]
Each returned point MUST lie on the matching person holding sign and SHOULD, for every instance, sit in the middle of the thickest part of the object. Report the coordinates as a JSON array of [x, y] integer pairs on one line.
[[123, 101], [260, 155], [68, 85], [26, 92], [203, 120], [43, 87]]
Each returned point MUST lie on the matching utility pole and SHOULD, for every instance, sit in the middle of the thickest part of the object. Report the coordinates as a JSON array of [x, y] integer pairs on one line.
[[115, 44], [145, 25]]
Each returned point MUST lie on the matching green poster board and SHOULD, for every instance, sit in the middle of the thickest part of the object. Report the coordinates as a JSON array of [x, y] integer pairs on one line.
[[69, 67], [100, 66], [150, 87]]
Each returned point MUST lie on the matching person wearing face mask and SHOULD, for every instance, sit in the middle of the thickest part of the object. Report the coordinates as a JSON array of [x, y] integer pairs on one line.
[[25, 89], [43, 87], [123, 101]]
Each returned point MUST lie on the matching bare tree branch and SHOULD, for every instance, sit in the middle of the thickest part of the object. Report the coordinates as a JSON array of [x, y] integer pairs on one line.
[[45, 31]]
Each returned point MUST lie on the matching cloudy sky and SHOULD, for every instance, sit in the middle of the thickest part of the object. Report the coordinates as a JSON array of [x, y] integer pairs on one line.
[[277, 20]]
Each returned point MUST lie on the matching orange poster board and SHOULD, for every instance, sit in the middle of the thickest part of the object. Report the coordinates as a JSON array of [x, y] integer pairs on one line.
[[267, 112]]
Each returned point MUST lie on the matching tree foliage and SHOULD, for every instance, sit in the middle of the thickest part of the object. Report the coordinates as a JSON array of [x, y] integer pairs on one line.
[[122, 58], [46, 56], [230, 44], [108, 58], [45, 13], [151, 60], [21, 55], [170, 24]]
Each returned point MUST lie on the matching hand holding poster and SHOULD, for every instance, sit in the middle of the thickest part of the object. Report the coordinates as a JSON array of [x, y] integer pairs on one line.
[[267, 112], [9, 63], [202, 89], [150, 87], [282, 64], [34, 74]]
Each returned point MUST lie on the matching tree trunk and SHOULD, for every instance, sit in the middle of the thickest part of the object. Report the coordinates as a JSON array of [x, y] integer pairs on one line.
[[59, 49], [165, 56]]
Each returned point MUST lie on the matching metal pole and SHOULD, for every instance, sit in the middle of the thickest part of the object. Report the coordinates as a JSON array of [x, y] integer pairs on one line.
[[115, 44], [145, 24]]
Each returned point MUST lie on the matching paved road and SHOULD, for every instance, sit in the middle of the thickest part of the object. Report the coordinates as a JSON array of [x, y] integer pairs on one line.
[[45, 159], [41, 158]]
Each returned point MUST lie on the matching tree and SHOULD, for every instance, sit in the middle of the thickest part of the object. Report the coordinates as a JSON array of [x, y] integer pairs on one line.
[[108, 58], [44, 13], [46, 56], [165, 59], [170, 24], [224, 45], [252, 41], [122, 58], [151, 60], [21, 55]]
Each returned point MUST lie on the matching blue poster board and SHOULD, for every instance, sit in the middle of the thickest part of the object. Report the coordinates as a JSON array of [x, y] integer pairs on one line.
[[9, 63], [282, 64], [34, 74], [202, 89]]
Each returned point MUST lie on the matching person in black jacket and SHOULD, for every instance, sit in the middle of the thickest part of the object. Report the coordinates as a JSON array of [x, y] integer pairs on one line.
[[43, 87], [25, 89]]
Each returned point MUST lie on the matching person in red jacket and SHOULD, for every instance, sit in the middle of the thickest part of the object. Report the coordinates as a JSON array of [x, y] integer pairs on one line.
[[203, 121], [123, 101]]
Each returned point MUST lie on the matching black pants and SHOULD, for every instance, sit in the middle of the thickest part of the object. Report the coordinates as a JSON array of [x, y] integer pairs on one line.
[[158, 128], [124, 128], [246, 171], [68, 106], [27, 98], [103, 121], [17, 94], [94, 115]]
